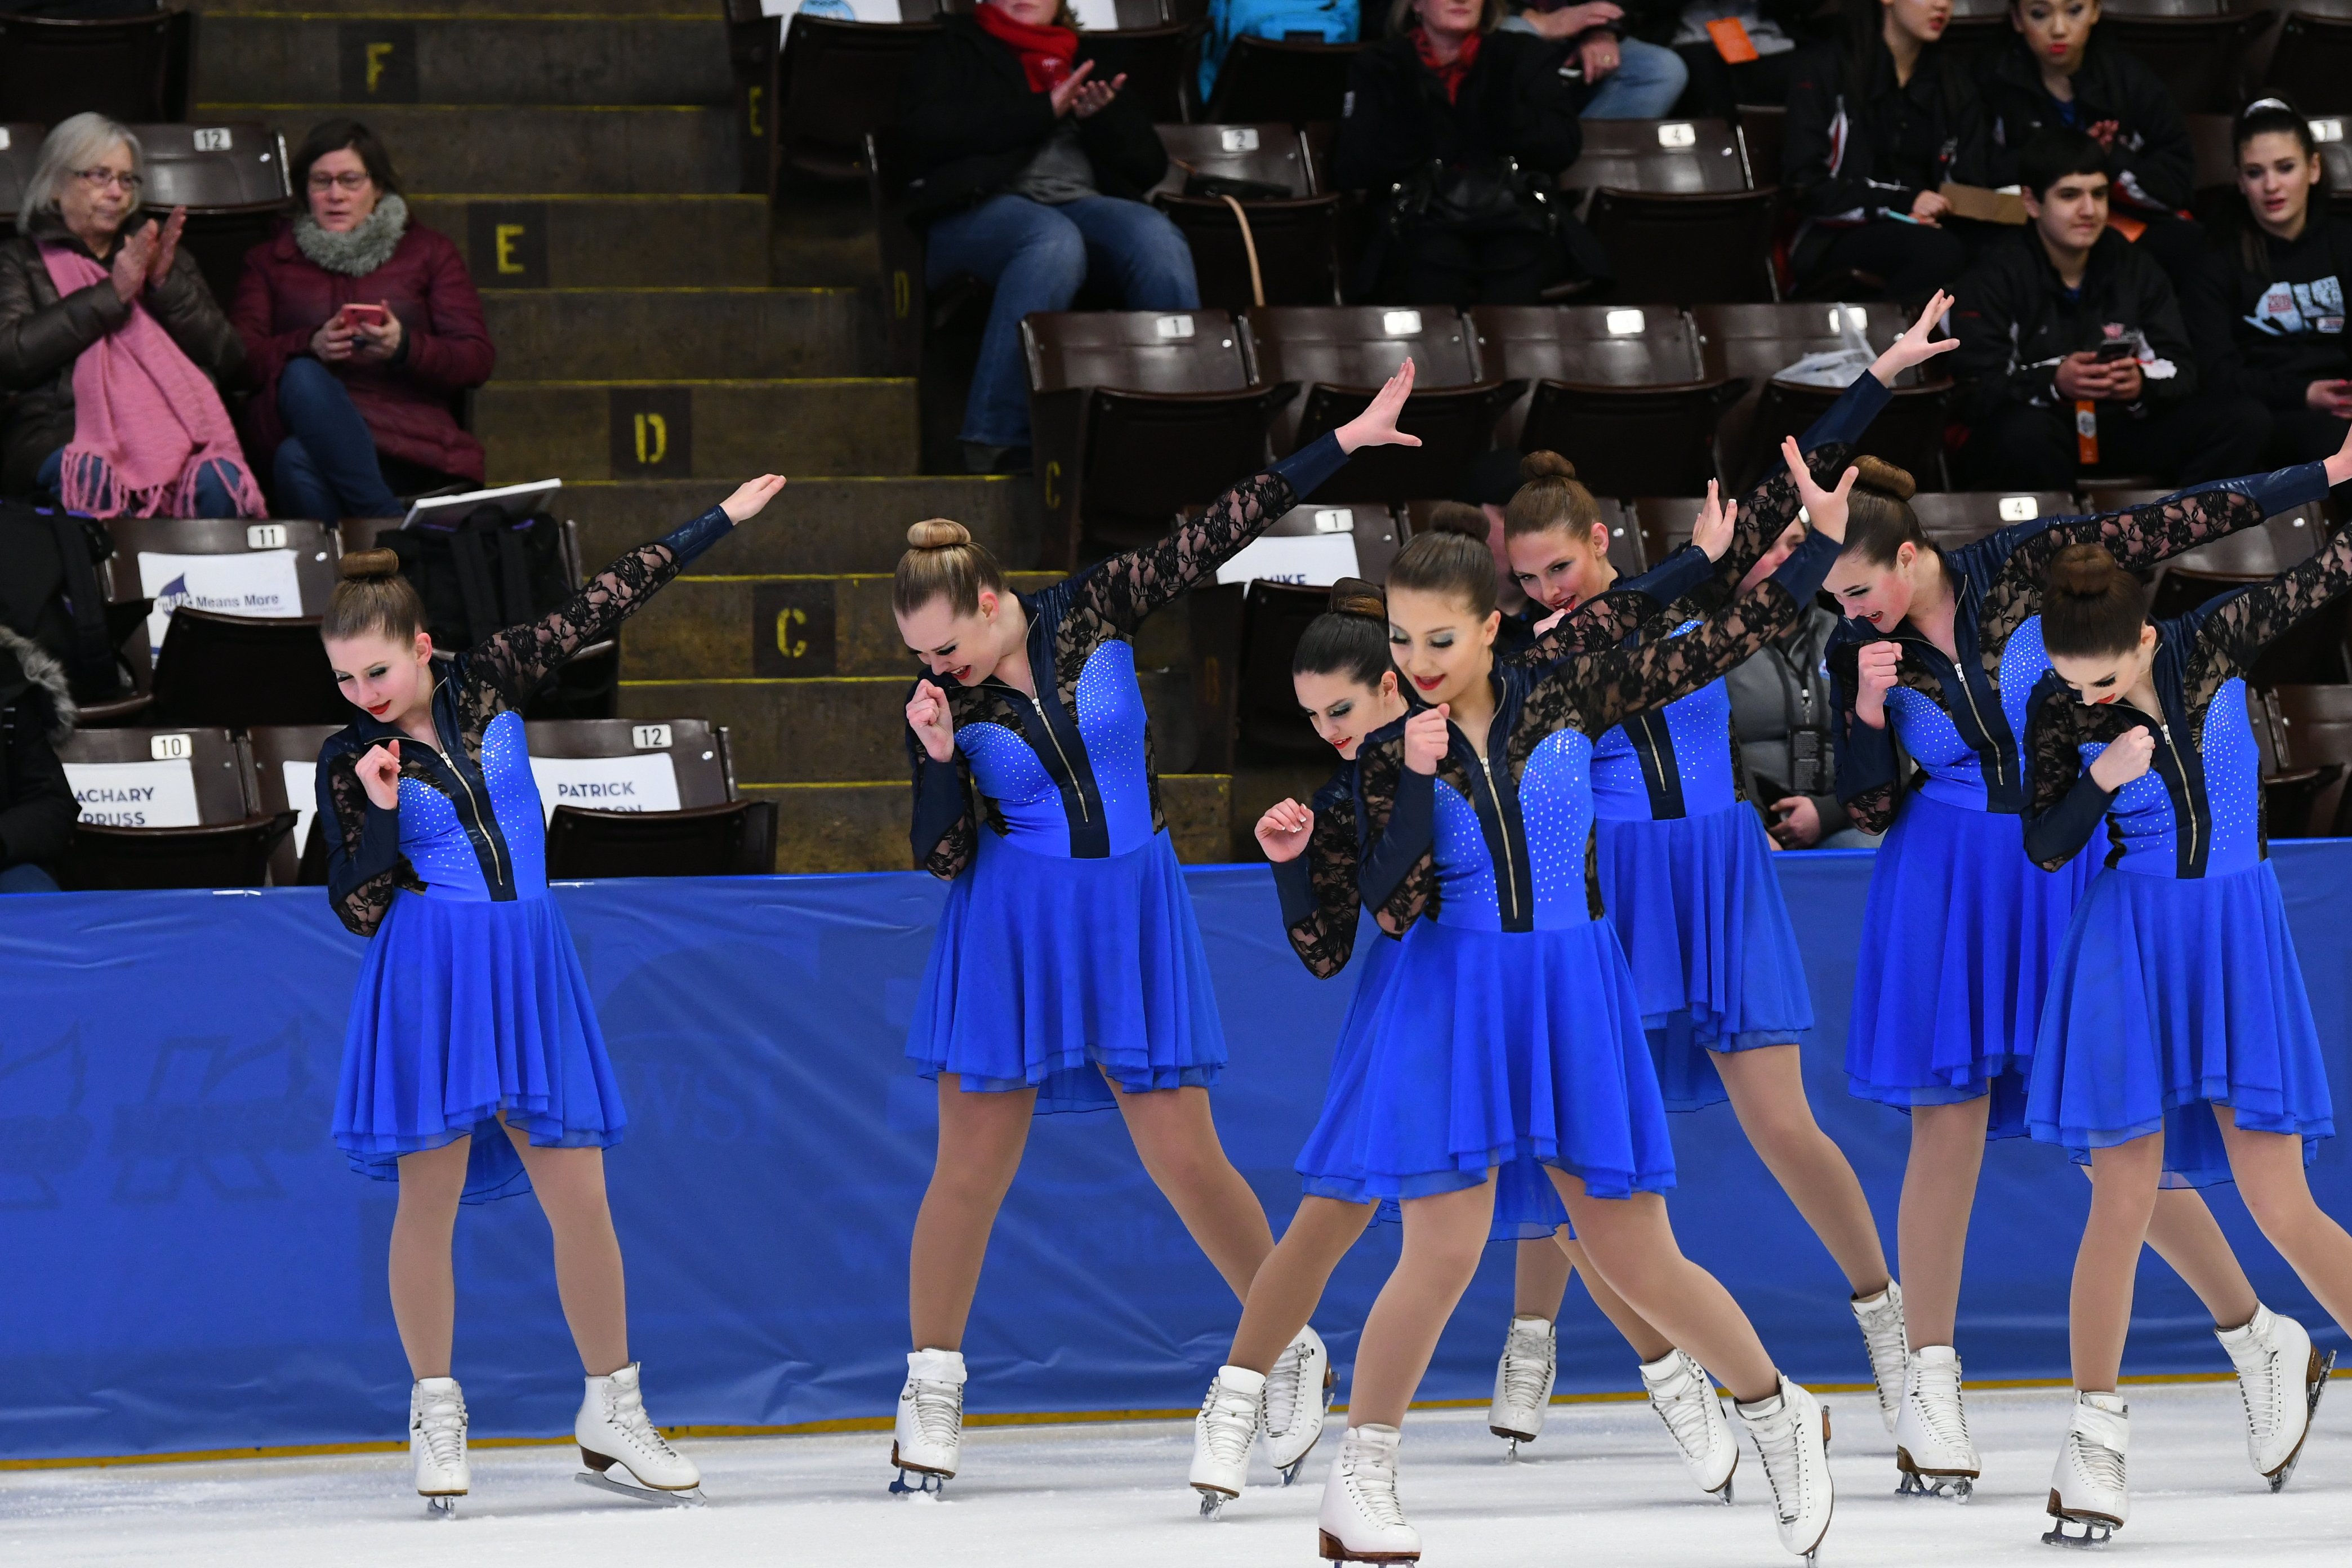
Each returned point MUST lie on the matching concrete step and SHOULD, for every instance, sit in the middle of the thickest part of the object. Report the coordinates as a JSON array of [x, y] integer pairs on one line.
[[816, 525], [444, 10], [562, 334], [863, 826], [682, 429], [646, 149], [367, 60], [547, 241], [825, 234], [852, 726]]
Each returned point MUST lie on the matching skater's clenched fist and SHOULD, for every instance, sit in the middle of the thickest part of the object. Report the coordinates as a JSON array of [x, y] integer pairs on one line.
[[1283, 831], [927, 717], [379, 771], [1876, 668], [1425, 739], [2125, 758]]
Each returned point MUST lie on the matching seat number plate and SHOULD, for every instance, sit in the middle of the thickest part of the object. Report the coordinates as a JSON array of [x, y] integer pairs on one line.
[[169, 748], [649, 737], [1677, 133], [265, 536], [212, 139]]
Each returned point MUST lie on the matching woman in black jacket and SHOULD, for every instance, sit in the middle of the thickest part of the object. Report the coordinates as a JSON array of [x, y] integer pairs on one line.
[[1450, 117], [1877, 125], [37, 805], [2286, 268], [1029, 164]]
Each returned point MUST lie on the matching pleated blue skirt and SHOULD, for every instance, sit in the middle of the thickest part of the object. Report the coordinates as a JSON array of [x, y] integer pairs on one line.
[[1960, 934], [1527, 1205], [466, 1010], [1490, 1047], [1698, 910], [2171, 996], [1047, 972]]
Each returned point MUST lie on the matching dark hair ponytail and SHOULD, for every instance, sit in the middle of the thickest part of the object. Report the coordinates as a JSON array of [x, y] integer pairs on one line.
[[1449, 556], [1350, 639], [2091, 606]]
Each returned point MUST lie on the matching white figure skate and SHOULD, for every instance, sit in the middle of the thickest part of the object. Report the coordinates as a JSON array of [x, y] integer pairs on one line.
[[1523, 1381], [1361, 1520], [2280, 1379], [1881, 1319], [929, 1432], [1792, 1438], [1222, 1433], [436, 1444], [2087, 1488], [1685, 1398], [1297, 1397], [1933, 1452], [615, 1434]]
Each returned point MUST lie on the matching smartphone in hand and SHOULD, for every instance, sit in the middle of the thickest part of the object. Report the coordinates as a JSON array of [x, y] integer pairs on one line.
[[357, 315]]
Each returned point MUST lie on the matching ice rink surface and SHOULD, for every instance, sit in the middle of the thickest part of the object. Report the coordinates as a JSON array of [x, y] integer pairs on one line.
[[1600, 1489]]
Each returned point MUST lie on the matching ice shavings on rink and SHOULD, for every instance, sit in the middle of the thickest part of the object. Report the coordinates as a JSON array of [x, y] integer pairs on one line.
[[1599, 1488]]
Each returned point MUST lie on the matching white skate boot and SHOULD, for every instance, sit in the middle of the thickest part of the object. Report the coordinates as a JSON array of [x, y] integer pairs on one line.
[[1297, 1397], [2280, 1378], [1523, 1381], [1881, 1317], [1792, 1438], [1362, 1521], [930, 1421], [1932, 1448], [614, 1433], [1685, 1398], [1223, 1433], [2087, 1487], [436, 1444]]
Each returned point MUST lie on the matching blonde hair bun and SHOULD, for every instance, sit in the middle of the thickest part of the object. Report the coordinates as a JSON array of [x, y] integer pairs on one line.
[[369, 565], [937, 533], [1878, 474], [1544, 466]]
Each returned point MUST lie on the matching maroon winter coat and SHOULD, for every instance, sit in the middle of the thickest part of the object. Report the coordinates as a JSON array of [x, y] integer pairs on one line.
[[284, 296]]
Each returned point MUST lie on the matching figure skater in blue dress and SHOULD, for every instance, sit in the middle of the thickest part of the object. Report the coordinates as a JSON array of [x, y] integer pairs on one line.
[[473, 1068], [1068, 972], [1941, 650], [2178, 1043]]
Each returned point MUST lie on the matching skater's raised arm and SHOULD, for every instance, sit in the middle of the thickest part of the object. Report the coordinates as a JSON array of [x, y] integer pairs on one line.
[[2231, 632]]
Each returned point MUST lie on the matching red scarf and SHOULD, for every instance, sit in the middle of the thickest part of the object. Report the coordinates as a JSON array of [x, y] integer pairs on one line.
[[1047, 53], [1448, 75]]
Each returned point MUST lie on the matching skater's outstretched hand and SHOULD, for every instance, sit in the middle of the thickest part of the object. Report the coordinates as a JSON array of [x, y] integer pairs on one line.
[[750, 495], [2126, 757], [379, 771], [1875, 667], [1425, 739], [1283, 831], [1711, 531], [1824, 508], [1376, 426], [1912, 347], [927, 716]]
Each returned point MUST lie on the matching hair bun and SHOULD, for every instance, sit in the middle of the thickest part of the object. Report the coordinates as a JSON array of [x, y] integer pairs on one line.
[[1544, 466], [1878, 474], [1354, 596], [1458, 516], [369, 565], [2083, 572], [937, 533]]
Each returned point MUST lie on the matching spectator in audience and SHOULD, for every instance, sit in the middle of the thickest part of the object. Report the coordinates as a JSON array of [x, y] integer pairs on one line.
[[2073, 358], [113, 344], [1318, 21], [1878, 124], [1764, 39], [1462, 127], [37, 805], [2285, 265], [364, 330], [1029, 170], [1631, 77]]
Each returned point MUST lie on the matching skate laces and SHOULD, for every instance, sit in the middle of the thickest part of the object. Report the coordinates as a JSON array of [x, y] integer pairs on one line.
[[1283, 1387], [2098, 1463], [2265, 1417], [1682, 1403], [1526, 1367], [1372, 1479], [1937, 1400], [625, 1408], [1777, 1440], [1882, 1339], [441, 1423], [1228, 1423], [938, 1410]]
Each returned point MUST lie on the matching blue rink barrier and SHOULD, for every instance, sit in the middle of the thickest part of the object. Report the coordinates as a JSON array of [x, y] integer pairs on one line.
[[189, 1265]]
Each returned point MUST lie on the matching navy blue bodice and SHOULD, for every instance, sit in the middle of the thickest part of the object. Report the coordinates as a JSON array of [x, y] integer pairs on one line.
[[481, 836], [1066, 789], [1672, 763]]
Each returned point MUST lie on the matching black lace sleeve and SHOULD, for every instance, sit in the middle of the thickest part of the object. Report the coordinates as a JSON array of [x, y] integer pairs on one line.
[[1323, 932], [2235, 630], [1608, 687], [941, 831], [364, 864], [2138, 537], [2064, 807], [1398, 886]]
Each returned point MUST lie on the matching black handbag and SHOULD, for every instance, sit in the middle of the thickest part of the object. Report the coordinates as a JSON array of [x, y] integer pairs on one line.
[[49, 593], [483, 575]]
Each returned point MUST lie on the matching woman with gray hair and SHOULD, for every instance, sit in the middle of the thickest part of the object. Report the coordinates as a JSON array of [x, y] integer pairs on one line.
[[113, 344]]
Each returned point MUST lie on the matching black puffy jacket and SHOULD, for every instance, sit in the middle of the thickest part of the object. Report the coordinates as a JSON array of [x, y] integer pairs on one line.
[[1515, 101], [2150, 159], [37, 805], [1856, 155], [2016, 321]]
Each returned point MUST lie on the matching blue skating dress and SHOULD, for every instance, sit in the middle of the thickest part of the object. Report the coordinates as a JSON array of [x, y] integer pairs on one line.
[[1067, 947], [1960, 928], [471, 1004], [1510, 1028], [2176, 988]]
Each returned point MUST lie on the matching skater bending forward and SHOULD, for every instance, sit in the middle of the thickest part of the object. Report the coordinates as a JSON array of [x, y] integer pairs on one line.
[[473, 1068]]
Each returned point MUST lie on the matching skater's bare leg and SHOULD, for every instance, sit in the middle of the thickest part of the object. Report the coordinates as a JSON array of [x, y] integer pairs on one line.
[[1767, 1091], [1631, 1244], [424, 1287], [2183, 1231], [980, 1140], [570, 1185], [1542, 1280], [1940, 1189], [1178, 1143], [1647, 1342], [2098, 1315], [1290, 1281], [1445, 1237], [2268, 1167]]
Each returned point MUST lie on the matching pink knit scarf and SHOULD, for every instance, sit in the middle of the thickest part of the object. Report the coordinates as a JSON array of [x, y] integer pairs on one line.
[[146, 420]]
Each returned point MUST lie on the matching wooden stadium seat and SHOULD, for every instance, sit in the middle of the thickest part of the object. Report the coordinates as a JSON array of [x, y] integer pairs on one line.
[[1756, 343], [839, 80], [1763, 135], [2315, 732], [285, 777], [2314, 650], [1267, 718], [239, 670], [20, 150], [610, 800], [2197, 47], [1271, 154], [1673, 203], [1294, 82], [232, 179], [1290, 252], [1622, 391], [1339, 355], [734, 839], [1953, 518], [130, 69], [167, 808], [1154, 57]]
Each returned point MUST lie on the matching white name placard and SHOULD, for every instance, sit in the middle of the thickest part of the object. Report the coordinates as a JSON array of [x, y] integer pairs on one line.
[[643, 782], [259, 583], [1313, 560], [135, 794], [832, 10]]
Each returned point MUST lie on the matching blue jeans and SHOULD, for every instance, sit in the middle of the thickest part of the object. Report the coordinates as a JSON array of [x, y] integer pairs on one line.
[[27, 879], [1036, 256], [213, 499], [326, 467], [1648, 81]]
